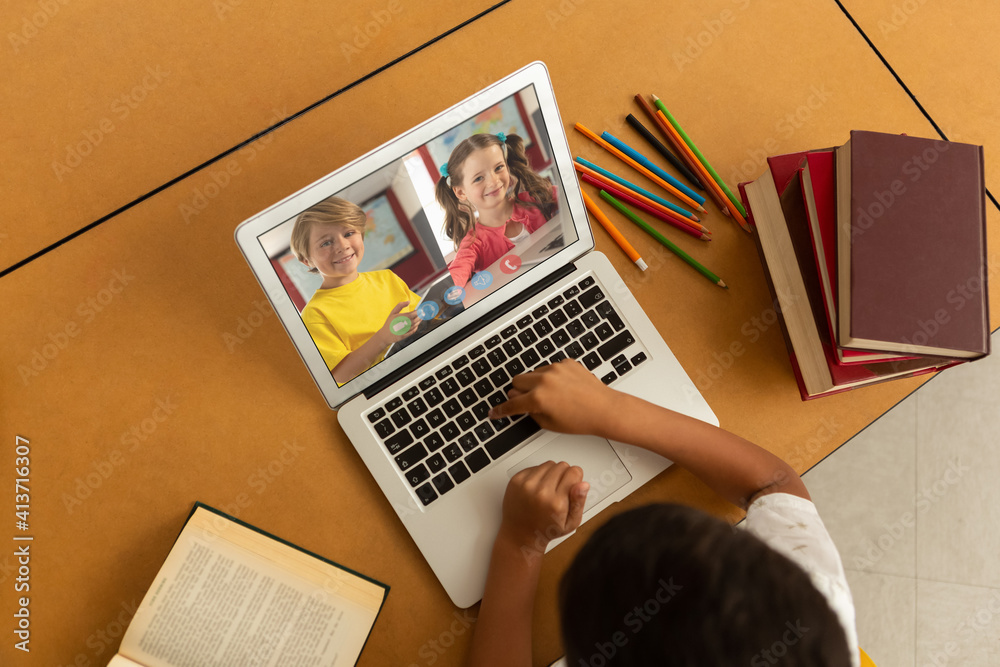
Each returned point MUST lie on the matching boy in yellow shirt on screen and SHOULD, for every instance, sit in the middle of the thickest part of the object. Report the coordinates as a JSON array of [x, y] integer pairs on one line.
[[353, 317]]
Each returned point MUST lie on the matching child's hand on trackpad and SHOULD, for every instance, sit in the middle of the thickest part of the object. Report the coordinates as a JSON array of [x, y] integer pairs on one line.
[[541, 504]]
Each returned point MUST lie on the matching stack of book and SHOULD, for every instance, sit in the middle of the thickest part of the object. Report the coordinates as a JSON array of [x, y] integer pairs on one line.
[[875, 254]]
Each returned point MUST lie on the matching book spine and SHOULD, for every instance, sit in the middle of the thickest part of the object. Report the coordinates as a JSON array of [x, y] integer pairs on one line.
[[775, 303]]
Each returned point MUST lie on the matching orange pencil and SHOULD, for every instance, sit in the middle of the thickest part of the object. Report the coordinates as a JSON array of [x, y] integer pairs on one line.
[[638, 167], [613, 231], [688, 158], [726, 205], [614, 187], [629, 199]]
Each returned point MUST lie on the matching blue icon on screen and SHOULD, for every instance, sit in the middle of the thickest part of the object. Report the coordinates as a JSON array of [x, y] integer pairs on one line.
[[428, 310], [482, 280], [454, 295]]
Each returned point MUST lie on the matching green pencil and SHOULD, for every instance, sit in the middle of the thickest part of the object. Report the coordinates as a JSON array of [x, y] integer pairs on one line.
[[694, 149], [662, 239]]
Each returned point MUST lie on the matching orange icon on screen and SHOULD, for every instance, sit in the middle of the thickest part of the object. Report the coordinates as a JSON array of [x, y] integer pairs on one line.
[[510, 264]]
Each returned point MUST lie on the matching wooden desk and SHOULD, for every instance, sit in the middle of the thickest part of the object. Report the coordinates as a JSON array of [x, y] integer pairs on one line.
[[144, 365]]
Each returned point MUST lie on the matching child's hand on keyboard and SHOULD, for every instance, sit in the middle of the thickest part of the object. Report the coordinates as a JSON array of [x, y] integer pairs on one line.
[[563, 397], [542, 503]]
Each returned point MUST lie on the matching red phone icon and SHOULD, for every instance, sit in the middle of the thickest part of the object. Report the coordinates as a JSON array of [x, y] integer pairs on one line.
[[510, 264]]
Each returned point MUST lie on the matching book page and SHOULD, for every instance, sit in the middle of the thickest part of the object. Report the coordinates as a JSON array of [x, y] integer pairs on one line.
[[230, 596], [121, 661]]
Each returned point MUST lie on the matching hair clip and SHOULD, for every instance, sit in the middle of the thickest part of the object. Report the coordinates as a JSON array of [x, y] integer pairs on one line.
[[502, 137], [445, 175]]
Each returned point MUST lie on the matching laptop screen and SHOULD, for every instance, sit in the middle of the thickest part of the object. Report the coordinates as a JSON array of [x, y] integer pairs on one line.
[[376, 266]]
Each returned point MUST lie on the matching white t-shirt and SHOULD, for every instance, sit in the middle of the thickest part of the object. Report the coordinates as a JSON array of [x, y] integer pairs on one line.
[[791, 526]]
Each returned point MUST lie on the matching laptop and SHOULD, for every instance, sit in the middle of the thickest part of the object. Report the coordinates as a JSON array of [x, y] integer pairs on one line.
[[418, 418]]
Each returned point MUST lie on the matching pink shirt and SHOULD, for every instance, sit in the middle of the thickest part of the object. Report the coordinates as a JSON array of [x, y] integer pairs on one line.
[[485, 245]]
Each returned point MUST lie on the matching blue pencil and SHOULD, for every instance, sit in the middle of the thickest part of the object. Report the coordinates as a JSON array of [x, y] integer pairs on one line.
[[648, 164], [646, 193]]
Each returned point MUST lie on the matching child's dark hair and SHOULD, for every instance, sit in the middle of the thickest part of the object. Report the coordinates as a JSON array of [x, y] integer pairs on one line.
[[459, 217], [671, 585]]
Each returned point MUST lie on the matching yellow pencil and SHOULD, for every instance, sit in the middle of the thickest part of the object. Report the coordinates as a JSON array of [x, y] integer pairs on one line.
[[613, 231]]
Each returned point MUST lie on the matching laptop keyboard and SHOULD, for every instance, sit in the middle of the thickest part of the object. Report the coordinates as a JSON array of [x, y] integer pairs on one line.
[[437, 430]]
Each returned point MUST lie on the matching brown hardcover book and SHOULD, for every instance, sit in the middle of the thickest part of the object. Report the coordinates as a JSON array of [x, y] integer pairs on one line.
[[911, 246], [782, 237]]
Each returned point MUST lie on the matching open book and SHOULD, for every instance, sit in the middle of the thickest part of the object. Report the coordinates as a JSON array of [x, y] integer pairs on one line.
[[229, 594]]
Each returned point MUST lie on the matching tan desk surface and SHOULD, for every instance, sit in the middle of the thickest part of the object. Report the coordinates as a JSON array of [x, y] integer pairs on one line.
[[140, 403], [104, 102], [948, 58]]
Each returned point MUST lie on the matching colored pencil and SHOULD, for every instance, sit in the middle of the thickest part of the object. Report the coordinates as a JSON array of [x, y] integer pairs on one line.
[[720, 197], [662, 239], [682, 150], [613, 231], [655, 203], [706, 179], [596, 179], [678, 163], [694, 149], [652, 166], [635, 188], [582, 129], [629, 199]]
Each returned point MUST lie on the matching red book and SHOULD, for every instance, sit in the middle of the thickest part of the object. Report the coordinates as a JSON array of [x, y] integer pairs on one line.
[[784, 244]]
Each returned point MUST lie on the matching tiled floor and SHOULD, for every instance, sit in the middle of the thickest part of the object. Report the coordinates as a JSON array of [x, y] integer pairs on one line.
[[913, 503]]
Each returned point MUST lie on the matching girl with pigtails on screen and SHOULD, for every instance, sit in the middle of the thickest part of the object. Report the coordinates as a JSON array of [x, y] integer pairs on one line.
[[492, 200]]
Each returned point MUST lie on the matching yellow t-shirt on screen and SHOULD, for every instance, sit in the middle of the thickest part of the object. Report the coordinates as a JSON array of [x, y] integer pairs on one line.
[[341, 319]]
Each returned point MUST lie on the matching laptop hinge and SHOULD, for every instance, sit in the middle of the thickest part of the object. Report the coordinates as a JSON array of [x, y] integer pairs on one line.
[[468, 331]]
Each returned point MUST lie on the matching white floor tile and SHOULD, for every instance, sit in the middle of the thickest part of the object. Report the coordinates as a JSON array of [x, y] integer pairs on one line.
[[958, 507], [886, 617], [865, 493], [957, 625]]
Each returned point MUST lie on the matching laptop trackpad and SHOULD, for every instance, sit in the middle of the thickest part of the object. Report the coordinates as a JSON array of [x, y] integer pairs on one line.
[[601, 465]]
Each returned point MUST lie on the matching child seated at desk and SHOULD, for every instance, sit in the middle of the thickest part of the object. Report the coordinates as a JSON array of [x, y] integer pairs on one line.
[[492, 199], [353, 317], [664, 584]]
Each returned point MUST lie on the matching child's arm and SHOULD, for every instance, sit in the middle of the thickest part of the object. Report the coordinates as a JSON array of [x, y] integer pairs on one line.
[[463, 265], [541, 503], [566, 397], [357, 361]]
